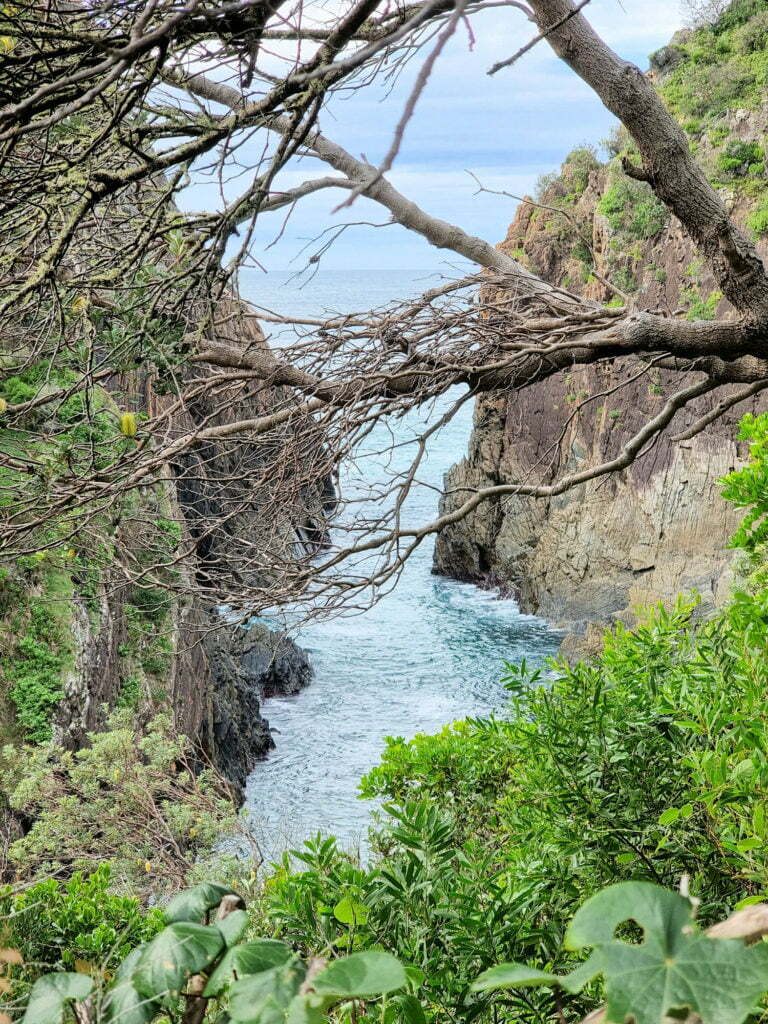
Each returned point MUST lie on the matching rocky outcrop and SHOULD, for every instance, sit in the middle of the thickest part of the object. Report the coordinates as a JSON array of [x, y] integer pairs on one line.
[[246, 666], [600, 551]]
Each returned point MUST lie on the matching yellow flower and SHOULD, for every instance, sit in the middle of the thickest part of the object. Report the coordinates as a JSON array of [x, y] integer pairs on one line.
[[147, 866], [128, 424]]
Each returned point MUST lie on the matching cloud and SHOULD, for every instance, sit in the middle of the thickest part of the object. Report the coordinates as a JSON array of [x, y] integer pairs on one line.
[[508, 128]]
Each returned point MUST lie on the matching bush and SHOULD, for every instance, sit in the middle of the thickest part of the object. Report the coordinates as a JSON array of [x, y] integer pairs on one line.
[[64, 926], [38, 655], [737, 13], [665, 974], [747, 488], [129, 798], [578, 166], [260, 981], [632, 208], [696, 89], [753, 36], [740, 159], [757, 220]]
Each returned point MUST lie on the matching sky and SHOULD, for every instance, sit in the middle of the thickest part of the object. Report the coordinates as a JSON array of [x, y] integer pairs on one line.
[[507, 129]]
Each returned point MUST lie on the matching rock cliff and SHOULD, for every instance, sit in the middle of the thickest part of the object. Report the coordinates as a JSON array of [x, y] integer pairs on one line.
[[76, 641], [598, 552]]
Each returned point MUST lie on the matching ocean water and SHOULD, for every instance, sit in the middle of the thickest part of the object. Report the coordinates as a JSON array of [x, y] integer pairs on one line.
[[430, 652]]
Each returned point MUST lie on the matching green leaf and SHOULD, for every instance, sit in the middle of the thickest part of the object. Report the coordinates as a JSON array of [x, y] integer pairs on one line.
[[194, 903], [411, 1010], [745, 767], [674, 967], [361, 975], [513, 976], [416, 977], [347, 911], [301, 1010], [51, 992], [264, 998], [123, 1004], [670, 816], [172, 956], [233, 926], [745, 845], [250, 958]]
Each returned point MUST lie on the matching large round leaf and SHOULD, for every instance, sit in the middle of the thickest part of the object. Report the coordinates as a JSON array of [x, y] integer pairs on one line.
[[361, 975], [172, 956], [250, 958], [51, 992], [192, 904], [350, 912], [233, 926], [408, 1009], [123, 1004], [264, 998], [302, 1011]]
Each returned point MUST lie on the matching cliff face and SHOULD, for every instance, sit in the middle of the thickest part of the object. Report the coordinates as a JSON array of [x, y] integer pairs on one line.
[[598, 552], [77, 641]]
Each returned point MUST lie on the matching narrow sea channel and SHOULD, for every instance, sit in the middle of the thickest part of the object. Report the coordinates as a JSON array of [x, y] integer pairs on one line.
[[430, 652]]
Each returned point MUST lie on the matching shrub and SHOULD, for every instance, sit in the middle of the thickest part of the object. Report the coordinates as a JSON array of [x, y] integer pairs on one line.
[[38, 654], [631, 207], [698, 88], [753, 36], [257, 981], [737, 13], [129, 798], [65, 925], [666, 974], [739, 159], [757, 220], [578, 166]]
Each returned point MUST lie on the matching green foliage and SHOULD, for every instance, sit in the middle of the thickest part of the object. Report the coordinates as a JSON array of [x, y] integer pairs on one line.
[[747, 488], [255, 988], [725, 66], [39, 653], [757, 220], [540, 810], [740, 159], [670, 971], [738, 13], [578, 166], [56, 924], [700, 307], [631, 208], [753, 36], [130, 798], [51, 993]]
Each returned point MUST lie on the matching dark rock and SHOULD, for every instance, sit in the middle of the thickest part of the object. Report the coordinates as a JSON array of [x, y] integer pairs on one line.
[[245, 666], [272, 662]]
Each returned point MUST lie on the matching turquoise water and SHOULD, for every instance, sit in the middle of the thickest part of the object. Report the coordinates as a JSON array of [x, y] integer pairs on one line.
[[428, 653]]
